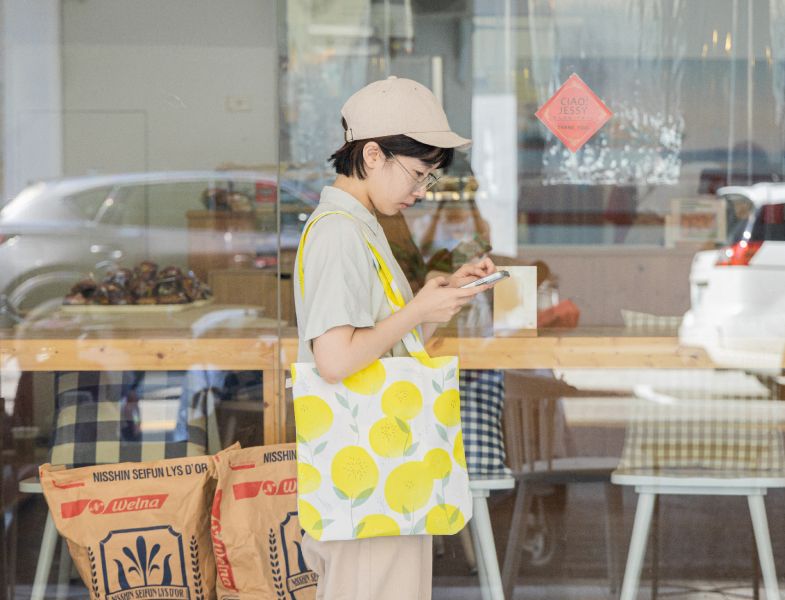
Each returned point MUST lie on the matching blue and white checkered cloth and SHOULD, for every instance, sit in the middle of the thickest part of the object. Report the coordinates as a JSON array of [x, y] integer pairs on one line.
[[482, 405]]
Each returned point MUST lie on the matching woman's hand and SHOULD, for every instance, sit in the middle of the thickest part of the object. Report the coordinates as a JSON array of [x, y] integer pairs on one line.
[[471, 272], [439, 301]]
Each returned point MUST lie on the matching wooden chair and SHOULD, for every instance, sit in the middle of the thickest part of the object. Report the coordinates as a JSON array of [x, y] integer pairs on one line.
[[530, 430]]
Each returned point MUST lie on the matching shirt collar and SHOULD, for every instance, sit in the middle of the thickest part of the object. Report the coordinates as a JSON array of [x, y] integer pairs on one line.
[[346, 202]]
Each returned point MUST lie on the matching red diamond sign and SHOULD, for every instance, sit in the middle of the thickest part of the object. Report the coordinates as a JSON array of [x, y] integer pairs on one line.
[[574, 113]]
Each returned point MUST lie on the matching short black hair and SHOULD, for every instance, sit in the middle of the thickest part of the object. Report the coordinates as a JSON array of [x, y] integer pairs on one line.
[[348, 159]]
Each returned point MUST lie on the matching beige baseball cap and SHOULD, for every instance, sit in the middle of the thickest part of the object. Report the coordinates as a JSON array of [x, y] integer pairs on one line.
[[395, 106]]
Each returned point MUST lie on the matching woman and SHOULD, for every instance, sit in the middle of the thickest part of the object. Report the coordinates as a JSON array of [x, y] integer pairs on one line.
[[396, 135]]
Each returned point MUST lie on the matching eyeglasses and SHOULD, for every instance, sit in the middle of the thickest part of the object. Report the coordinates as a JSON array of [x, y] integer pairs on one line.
[[423, 184]]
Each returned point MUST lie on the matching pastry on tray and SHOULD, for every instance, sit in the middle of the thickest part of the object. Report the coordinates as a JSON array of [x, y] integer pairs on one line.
[[145, 284]]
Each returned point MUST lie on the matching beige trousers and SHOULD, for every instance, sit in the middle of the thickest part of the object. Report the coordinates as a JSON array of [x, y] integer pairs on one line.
[[385, 568]]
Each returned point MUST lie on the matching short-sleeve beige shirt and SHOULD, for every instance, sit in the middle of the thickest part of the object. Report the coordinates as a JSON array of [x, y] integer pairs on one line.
[[341, 284]]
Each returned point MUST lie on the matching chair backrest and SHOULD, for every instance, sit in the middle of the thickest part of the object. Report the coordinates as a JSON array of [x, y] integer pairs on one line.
[[117, 416], [723, 436], [534, 428]]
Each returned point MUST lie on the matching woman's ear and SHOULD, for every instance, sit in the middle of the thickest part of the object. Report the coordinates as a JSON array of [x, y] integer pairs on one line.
[[373, 156]]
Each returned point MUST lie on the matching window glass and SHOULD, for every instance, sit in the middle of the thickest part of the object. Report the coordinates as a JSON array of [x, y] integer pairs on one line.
[[88, 203], [160, 159], [770, 223]]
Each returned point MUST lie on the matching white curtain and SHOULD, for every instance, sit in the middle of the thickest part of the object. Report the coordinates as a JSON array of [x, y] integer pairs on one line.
[[630, 54]]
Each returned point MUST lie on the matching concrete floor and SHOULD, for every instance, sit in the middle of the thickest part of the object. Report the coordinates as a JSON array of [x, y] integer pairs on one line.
[[704, 542]]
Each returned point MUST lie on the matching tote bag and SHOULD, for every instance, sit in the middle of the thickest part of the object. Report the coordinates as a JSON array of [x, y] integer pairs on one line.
[[381, 453]]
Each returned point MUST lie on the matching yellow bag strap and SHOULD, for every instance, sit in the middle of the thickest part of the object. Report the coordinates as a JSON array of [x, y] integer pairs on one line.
[[394, 296]]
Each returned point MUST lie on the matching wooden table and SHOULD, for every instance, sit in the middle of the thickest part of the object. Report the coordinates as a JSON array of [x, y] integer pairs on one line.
[[263, 347]]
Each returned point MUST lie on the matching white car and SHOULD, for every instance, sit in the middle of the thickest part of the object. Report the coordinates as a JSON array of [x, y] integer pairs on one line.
[[737, 293]]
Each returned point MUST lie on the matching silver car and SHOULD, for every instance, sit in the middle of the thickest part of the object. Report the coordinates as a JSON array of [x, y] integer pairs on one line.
[[55, 233]]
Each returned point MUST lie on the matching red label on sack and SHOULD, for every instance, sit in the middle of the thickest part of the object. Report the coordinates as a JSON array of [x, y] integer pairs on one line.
[[574, 113], [251, 489], [287, 486], [66, 486], [118, 505], [222, 564], [73, 509], [241, 467], [134, 503]]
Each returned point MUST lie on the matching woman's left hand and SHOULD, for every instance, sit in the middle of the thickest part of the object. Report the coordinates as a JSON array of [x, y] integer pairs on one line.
[[471, 272]]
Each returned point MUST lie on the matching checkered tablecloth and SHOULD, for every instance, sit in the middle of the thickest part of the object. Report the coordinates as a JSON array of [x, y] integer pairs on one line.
[[482, 406], [721, 435], [641, 322]]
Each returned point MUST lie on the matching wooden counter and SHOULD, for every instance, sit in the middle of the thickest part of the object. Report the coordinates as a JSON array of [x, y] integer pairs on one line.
[[240, 337], [259, 351], [261, 346]]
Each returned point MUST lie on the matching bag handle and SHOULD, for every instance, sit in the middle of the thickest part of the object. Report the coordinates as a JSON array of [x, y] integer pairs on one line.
[[412, 340]]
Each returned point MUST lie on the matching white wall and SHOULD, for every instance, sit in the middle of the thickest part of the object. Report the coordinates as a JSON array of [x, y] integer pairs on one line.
[[448, 38], [147, 84], [603, 280], [31, 84]]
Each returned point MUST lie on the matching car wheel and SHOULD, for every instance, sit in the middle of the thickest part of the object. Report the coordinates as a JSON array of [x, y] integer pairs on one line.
[[37, 289]]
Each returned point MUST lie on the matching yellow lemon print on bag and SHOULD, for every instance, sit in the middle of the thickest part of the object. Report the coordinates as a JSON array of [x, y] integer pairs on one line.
[[368, 381], [447, 408], [433, 362], [308, 478], [390, 437], [408, 487], [310, 519], [457, 450], [444, 519], [439, 463], [377, 526], [403, 400], [313, 417], [354, 472]]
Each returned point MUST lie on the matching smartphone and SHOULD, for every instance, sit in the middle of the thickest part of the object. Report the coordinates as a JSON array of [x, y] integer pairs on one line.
[[492, 278]]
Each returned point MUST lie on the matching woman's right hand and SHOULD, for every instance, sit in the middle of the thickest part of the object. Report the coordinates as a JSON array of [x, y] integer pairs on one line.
[[438, 302]]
